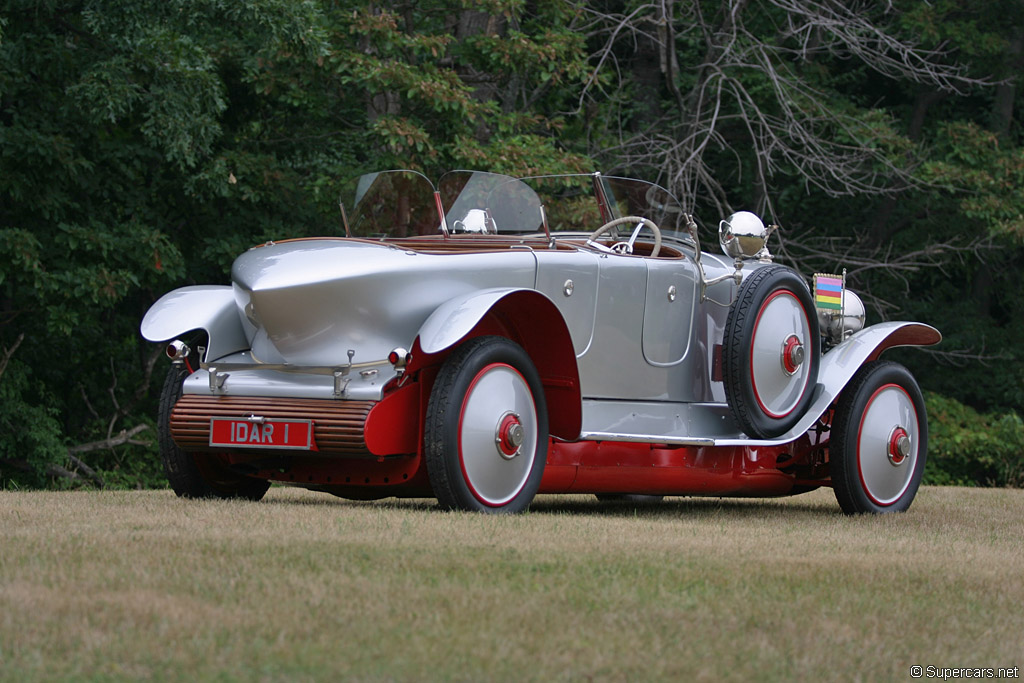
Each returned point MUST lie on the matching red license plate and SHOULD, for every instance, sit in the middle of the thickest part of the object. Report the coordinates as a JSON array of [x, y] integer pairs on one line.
[[230, 432]]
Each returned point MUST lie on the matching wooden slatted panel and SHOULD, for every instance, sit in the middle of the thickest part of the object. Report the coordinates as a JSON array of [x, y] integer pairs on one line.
[[338, 425]]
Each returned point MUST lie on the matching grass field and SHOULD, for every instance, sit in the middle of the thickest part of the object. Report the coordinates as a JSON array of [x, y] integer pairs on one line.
[[303, 586]]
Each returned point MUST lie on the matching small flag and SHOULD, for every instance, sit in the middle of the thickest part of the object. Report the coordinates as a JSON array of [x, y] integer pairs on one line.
[[828, 291]]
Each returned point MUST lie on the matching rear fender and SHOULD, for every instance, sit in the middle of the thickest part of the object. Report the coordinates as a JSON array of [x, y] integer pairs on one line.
[[210, 308], [530, 319]]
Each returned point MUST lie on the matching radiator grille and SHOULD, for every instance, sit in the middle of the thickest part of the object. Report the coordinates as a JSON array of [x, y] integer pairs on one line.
[[338, 426]]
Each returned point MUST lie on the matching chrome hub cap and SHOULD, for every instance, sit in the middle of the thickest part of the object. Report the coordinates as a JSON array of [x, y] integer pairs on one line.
[[497, 434], [792, 355], [782, 327], [887, 444], [899, 446], [509, 436]]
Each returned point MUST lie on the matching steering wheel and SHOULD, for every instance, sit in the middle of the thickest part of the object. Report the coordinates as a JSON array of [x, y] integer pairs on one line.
[[626, 247]]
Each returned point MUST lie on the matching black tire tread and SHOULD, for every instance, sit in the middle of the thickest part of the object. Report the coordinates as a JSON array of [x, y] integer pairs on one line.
[[733, 348], [437, 415]]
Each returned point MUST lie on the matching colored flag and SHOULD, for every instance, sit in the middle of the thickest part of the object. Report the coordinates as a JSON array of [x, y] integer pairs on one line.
[[828, 291]]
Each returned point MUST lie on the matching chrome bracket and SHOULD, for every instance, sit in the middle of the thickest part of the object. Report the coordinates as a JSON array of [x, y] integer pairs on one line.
[[737, 276], [341, 378], [340, 382], [217, 379]]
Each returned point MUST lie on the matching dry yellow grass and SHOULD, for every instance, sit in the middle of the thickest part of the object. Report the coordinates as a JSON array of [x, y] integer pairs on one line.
[[302, 586]]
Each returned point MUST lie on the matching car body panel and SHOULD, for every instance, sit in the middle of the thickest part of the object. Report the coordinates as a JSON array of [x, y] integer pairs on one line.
[[711, 424], [455, 318], [570, 280], [318, 299], [670, 306], [211, 308]]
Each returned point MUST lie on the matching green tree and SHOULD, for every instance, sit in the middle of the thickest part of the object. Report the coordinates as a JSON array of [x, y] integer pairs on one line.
[[143, 145], [122, 174]]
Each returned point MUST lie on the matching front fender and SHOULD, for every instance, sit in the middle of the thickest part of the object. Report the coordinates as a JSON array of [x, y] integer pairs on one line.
[[839, 365], [455, 318], [532, 320], [210, 308]]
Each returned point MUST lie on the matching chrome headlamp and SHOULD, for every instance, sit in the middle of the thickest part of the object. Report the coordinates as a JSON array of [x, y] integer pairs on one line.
[[743, 235], [838, 325]]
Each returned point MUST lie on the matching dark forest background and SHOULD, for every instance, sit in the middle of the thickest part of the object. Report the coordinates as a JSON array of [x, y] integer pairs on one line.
[[144, 144]]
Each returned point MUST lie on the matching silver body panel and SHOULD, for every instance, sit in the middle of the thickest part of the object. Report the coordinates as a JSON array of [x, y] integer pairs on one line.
[[570, 280], [364, 382], [211, 308], [318, 299], [455, 318]]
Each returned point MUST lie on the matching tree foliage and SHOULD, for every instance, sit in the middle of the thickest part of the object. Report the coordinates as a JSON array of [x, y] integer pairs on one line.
[[145, 143]]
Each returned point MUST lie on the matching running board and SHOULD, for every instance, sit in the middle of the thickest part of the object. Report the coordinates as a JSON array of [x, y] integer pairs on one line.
[[672, 424]]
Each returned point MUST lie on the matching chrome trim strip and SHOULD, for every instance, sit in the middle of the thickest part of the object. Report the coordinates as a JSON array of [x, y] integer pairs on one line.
[[647, 438], [285, 367]]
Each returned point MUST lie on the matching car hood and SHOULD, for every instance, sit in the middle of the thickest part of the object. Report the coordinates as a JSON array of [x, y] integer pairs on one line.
[[311, 302]]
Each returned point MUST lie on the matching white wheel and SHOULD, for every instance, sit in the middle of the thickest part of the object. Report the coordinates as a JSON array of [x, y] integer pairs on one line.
[[879, 440], [486, 435], [497, 434], [778, 373]]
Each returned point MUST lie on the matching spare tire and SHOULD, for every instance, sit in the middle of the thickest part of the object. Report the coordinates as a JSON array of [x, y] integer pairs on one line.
[[771, 352]]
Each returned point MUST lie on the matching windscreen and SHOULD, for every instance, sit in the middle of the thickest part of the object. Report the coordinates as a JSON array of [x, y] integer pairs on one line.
[[573, 203], [629, 197], [398, 204], [569, 202], [390, 204], [489, 204]]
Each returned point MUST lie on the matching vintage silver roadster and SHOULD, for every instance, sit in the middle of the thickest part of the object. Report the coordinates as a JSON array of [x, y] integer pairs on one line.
[[489, 338]]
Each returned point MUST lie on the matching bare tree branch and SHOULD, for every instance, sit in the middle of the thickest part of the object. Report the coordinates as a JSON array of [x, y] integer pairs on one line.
[[962, 358], [51, 470], [120, 439], [86, 470], [7, 353], [82, 471], [792, 128], [125, 437]]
